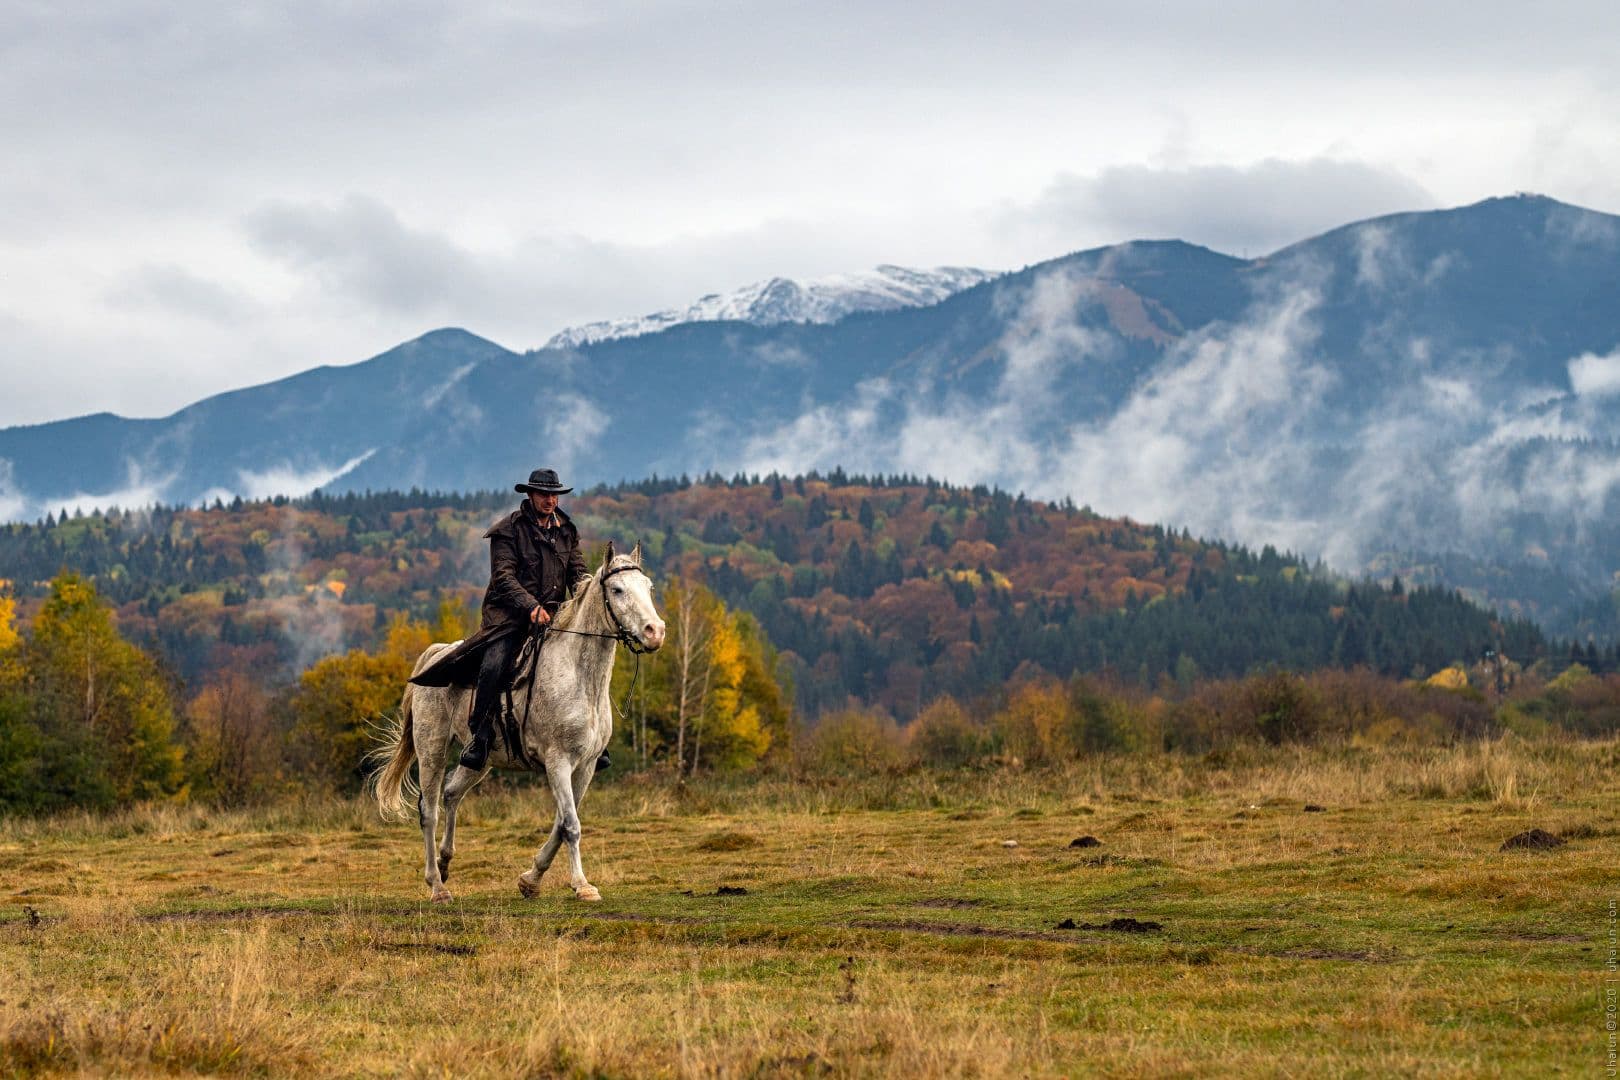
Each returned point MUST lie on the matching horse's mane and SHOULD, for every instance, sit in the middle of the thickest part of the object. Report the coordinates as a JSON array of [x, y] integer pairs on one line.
[[575, 609]]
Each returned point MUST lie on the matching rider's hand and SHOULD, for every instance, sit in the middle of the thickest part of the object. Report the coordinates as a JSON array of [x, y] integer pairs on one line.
[[540, 616]]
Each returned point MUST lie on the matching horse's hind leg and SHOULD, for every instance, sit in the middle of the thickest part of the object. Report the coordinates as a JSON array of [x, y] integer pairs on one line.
[[430, 774], [529, 880], [461, 782], [427, 811]]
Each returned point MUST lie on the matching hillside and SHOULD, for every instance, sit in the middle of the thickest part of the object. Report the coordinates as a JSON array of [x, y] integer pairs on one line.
[[886, 590]]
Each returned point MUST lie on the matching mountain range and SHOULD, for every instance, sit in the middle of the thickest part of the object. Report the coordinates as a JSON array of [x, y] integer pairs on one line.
[[782, 300], [1429, 393]]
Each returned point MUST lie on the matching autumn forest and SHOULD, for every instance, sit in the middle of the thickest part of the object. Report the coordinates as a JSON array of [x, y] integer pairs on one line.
[[247, 648]]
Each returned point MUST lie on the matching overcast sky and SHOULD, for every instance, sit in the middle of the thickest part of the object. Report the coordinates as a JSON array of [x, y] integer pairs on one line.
[[200, 196]]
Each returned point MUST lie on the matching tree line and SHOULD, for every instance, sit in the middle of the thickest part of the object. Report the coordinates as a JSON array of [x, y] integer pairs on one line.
[[888, 590], [89, 719]]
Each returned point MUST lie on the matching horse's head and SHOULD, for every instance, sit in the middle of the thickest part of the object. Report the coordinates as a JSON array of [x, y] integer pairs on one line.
[[628, 592]]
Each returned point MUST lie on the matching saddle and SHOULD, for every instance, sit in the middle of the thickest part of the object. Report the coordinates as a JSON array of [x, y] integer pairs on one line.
[[509, 716], [526, 662]]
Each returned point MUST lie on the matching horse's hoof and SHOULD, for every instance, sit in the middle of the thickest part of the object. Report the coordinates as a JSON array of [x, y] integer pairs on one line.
[[441, 895], [588, 892], [529, 889], [444, 868]]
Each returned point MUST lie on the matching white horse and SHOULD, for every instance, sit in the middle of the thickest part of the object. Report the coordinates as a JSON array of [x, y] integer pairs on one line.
[[561, 731]]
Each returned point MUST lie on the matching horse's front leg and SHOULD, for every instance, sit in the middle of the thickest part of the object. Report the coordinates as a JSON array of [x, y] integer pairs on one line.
[[560, 776]]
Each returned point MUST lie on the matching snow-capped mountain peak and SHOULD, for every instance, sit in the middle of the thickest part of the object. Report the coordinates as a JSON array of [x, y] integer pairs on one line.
[[782, 300]]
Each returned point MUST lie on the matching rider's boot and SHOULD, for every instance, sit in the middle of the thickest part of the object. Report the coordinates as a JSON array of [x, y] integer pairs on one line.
[[476, 753]]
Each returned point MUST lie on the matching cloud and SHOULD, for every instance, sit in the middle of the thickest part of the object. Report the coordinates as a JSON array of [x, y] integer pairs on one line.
[[776, 354], [434, 396], [1595, 376], [13, 504], [1237, 209], [572, 424], [287, 479], [140, 491], [171, 288], [825, 435], [1209, 440], [1384, 262], [519, 168], [361, 249]]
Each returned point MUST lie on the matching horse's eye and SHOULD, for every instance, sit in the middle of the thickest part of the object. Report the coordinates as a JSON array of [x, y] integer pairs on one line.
[[617, 590]]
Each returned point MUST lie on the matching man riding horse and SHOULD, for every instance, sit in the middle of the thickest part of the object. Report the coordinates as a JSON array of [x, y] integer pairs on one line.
[[534, 562]]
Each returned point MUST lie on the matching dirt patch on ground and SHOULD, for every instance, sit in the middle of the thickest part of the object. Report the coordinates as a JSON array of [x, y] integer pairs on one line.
[[948, 902], [1359, 956], [1085, 841], [1533, 840], [1120, 860], [1124, 925]]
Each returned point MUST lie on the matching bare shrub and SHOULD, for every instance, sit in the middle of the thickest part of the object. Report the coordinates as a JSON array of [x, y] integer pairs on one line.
[[853, 742], [1462, 712], [944, 736], [1105, 716], [1036, 726], [1356, 701], [1282, 707]]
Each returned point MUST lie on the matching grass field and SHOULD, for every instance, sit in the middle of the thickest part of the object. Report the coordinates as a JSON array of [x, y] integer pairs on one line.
[[886, 927]]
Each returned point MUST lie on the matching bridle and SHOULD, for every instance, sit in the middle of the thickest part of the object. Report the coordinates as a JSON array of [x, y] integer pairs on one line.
[[530, 655], [620, 633]]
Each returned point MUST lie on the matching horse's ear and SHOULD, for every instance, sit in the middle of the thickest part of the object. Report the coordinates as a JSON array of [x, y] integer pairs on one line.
[[635, 553], [607, 560]]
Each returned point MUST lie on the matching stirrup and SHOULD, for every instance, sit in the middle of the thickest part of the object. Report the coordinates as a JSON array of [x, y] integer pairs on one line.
[[475, 755]]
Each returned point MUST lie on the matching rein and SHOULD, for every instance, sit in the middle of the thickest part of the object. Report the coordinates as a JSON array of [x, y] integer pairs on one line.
[[620, 634], [529, 657]]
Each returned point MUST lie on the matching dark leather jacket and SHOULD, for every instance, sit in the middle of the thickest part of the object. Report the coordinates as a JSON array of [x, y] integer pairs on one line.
[[528, 566]]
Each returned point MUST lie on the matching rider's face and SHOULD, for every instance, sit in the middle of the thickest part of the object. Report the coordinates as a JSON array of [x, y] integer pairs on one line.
[[543, 503]]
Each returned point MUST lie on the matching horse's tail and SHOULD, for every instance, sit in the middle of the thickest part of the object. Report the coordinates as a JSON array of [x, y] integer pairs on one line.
[[393, 782]]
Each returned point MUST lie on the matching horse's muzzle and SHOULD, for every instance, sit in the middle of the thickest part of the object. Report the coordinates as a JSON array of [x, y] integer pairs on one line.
[[652, 635]]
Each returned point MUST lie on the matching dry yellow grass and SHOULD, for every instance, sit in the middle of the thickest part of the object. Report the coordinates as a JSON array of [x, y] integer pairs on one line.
[[885, 928]]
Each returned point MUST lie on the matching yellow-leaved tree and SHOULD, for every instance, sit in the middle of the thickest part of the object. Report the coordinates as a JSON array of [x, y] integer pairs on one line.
[[710, 698], [9, 638], [100, 705], [339, 700]]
